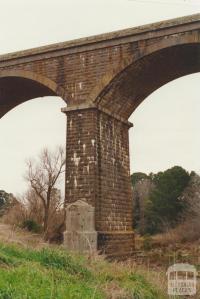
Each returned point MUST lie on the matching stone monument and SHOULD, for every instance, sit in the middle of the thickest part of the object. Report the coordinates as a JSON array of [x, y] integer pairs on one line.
[[80, 234]]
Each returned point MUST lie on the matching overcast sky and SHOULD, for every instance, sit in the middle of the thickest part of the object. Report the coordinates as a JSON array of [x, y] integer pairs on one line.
[[166, 124]]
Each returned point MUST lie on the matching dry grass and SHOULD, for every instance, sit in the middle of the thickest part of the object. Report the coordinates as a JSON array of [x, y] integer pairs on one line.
[[32, 209], [115, 272], [14, 235], [15, 214], [188, 231]]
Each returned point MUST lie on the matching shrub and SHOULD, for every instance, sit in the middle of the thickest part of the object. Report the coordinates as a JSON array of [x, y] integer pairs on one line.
[[147, 242], [31, 226]]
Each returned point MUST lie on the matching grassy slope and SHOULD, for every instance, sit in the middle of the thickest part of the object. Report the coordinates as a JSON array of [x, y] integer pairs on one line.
[[52, 273]]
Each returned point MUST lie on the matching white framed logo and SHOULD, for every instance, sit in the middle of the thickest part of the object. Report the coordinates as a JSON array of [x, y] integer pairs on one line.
[[182, 280]]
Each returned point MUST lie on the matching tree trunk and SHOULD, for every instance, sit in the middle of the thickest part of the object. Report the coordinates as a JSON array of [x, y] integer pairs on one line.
[[46, 216]]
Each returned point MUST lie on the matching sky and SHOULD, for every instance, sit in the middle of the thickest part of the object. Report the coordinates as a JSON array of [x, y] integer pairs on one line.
[[166, 124]]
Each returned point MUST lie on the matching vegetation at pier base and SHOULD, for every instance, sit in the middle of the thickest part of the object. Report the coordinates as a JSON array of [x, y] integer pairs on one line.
[[53, 273], [166, 211]]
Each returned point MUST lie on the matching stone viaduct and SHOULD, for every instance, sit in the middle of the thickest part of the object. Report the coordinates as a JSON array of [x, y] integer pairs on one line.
[[103, 79]]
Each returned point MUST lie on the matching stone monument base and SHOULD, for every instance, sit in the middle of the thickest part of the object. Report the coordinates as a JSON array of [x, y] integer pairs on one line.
[[80, 241]]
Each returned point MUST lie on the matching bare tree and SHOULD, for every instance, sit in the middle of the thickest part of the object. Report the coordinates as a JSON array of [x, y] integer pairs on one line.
[[43, 175]]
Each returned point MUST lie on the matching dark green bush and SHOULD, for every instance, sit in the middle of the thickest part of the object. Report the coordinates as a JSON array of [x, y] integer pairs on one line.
[[32, 226], [147, 242]]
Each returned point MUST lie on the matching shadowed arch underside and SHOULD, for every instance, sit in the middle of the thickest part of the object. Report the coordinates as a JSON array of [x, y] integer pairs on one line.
[[17, 88], [136, 82]]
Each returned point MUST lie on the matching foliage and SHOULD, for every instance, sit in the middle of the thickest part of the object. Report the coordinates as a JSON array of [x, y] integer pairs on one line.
[[54, 273], [166, 206], [147, 242], [138, 176], [6, 200], [31, 226], [163, 206], [141, 191], [3, 198]]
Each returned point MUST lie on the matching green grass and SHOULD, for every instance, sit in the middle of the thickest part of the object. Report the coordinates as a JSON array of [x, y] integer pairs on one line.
[[55, 274]]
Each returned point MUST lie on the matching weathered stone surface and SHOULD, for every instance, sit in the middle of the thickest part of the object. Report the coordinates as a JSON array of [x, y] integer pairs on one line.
[[102, 79], [80, 235]]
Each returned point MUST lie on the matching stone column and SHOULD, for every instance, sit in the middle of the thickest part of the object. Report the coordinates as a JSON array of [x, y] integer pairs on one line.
[[81, 155], [114, 221], [97, 172]]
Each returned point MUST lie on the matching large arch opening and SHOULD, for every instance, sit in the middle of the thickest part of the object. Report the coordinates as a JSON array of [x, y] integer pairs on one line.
[[32, 128], [147, 74], [25, 131], [165, 136], [30, 106], [17, 87], [166, 126]]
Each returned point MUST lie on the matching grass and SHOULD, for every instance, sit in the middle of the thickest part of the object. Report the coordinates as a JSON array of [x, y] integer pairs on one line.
[[55, 274]]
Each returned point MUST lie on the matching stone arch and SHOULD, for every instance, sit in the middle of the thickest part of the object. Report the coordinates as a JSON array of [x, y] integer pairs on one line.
[[18, 86], [156, 65]]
